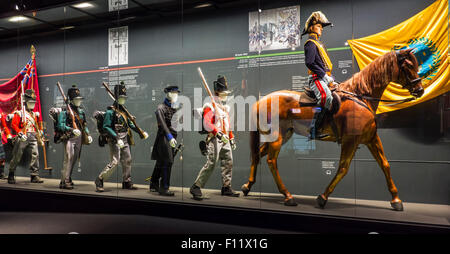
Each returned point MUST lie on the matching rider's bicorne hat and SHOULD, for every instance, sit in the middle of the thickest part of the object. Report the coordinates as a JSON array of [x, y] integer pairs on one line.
[[120, 90], [74, 93], [316, 17], [221, 85]]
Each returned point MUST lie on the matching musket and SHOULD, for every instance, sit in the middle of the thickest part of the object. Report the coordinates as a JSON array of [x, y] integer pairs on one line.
[[205, 85], [66, 101], [129, 115]]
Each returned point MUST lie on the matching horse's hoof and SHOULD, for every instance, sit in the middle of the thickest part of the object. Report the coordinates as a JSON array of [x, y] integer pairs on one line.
[[321, 201], [245, 189], [290, 202], [398, 206]]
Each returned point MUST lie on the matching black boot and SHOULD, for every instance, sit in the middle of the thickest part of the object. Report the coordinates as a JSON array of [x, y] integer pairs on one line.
[[166, 192], [128, 186], [36, 179], [316, 124], [11, 178], [99, 185], [71, 182], [227, 191], [65, 185], [196, 192], [2, 172], [154, 187]]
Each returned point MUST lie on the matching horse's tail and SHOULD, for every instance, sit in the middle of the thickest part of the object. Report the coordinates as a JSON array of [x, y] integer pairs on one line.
[[254, 146]]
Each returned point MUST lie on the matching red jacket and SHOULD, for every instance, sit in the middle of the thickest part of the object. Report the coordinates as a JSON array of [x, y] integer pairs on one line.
[[210, 119], [4, 126], [18, 126]]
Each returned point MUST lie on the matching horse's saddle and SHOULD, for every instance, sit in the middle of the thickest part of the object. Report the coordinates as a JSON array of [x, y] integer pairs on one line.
[[308, 99]]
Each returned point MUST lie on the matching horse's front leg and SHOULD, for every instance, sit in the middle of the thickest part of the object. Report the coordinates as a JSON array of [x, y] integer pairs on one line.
[[376, 148], [272, 156], [348, 149]]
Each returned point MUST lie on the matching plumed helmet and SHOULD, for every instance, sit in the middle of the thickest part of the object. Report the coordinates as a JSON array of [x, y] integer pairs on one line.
[[120, 90], [316, 17], [29, 95], [171, 89], [221, 85], [74, 92]]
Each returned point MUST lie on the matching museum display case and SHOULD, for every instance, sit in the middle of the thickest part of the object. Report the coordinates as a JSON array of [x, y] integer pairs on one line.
[[259, 49]]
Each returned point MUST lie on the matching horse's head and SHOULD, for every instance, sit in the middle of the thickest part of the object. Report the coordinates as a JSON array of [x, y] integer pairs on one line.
[[408, 75]]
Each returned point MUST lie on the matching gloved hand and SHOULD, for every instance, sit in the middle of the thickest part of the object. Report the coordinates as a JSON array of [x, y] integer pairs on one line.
[[233, 144], [9, 137], [76, 132], [145, 135], [328, 79], [173, 143], [89, 139], [22, 137], [222, 137], [120, 143]]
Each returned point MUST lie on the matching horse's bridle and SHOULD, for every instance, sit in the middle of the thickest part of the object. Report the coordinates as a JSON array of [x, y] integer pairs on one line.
[[409, 83]]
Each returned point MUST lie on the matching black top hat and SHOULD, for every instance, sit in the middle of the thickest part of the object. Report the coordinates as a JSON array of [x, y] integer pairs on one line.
[[221, 85], [316, 17], [74, 93], [29, 95], [171, 89], [120, 91]]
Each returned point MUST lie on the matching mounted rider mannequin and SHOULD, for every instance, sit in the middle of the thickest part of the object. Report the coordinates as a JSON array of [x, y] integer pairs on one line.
[[220, 142], [165, 143], [319, 69]]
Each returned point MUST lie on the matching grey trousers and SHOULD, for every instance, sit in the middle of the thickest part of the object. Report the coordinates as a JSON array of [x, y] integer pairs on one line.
[[31, 147], [72, 151], [216, 151], [322, 92], [118, 154]]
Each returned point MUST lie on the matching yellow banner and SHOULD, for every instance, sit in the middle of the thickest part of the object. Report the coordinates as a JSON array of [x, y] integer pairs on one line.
[[428, 33]]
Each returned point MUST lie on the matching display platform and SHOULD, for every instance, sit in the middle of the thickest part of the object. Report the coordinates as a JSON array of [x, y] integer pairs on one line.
[[76, 223], [415, 214]]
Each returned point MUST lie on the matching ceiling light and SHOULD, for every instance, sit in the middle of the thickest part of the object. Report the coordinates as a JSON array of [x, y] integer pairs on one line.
[[203, 5], [18, 19], [83, 5]]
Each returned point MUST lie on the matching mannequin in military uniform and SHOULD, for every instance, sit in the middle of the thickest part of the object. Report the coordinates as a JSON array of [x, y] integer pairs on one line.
[[29, 133], [118, 126], [165, 143], [72, 146], [319, 69], [4, 130], [220, 142]]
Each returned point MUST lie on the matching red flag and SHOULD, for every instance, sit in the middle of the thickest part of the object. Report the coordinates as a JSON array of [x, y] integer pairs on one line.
[[11, 91]]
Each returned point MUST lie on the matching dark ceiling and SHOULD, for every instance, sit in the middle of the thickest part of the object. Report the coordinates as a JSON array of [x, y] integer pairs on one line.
[[44, 16]]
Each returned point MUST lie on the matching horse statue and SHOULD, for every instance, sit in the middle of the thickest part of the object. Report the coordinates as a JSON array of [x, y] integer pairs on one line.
[[352, 123]]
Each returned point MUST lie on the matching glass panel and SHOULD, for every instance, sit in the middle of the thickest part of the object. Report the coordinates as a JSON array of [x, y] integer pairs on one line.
[[215, 39]]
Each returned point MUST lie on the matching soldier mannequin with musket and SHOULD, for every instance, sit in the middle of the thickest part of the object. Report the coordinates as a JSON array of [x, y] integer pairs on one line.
[[165, 143], [219, 142], [76, 133], [319, 70], [118, 125], [28, 134]]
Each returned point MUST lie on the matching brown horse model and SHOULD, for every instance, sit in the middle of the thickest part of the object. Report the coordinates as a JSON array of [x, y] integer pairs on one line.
[[354, 122]]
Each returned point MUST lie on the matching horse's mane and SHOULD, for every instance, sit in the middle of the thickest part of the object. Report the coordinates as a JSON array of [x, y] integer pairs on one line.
[[375, 75]]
